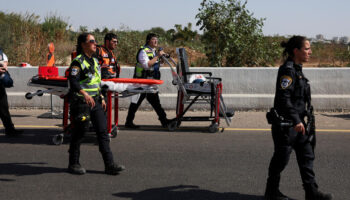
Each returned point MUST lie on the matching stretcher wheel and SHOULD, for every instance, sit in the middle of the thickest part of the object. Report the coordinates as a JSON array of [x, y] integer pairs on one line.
[[28, 96], [172, 125], [40, 93], [114, 132], [58, 139], [214, 128]]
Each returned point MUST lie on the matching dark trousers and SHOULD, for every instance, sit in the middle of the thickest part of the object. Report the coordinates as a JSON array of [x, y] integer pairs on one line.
[[153, 99], [99, 121], [4, 110], [285, 140]]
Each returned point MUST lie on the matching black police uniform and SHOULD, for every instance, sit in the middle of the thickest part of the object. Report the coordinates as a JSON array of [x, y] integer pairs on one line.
[[292, 95], [80, 109], [152, 98]]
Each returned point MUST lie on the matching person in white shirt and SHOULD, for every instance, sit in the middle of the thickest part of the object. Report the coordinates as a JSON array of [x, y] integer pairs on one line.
[[4, 107], [147, 66]]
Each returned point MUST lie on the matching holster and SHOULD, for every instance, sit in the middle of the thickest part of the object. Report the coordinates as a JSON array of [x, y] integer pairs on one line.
[[80, 111]]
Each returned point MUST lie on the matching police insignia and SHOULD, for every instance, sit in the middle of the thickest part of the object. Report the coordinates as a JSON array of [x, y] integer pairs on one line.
[[286, 81], [75, 71]]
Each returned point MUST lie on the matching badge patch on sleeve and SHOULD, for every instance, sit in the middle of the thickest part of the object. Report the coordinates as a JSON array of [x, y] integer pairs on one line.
[[75, 70], [286, 81]]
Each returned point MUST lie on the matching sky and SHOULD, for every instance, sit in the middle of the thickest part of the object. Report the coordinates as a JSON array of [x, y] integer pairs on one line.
[[282, 17]]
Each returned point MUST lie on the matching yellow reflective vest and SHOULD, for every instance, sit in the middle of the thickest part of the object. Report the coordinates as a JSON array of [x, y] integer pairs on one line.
[[140, 72], [92, 83]]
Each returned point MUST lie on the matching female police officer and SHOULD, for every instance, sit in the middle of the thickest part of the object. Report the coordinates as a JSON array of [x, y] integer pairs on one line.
[[87, 104], [291, 99]]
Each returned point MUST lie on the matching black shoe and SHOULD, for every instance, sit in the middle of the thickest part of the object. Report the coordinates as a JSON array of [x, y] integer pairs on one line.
[[114, 169], [275, 195], [131, 125], [317, 195], [76, 169], [13, 132], [165, 123]]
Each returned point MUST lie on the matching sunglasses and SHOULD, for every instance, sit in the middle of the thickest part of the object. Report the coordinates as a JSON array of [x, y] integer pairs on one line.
[[92, 41]]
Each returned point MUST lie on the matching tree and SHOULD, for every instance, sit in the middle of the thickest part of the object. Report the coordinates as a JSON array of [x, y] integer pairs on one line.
[[183, 35], [55, 27], [231, 35], [83, 29], [105, 31]]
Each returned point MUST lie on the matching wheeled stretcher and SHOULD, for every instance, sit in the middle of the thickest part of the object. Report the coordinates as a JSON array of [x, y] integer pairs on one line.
[[197, 91], [116, 88]]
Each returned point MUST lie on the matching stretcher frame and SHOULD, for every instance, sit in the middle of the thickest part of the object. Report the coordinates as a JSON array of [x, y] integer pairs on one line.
[[61, 90], [191, 93]]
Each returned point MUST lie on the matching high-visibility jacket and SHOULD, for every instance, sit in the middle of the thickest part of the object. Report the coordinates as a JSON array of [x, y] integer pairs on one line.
[[50, 60], [106, 58], [141, 72], [92, 83]]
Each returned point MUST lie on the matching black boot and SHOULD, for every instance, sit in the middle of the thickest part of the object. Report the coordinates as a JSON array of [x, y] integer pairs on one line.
[[76, 169], [131, 125], [12, 132], [272, 192], [312, 193], [114, 169], [131, 116], [74, 166], [275, 194], [165, 122]]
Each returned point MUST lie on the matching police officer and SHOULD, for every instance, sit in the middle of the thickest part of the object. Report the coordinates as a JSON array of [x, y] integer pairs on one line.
[[106, 58], [87, 104], [4, 107], [147, 66], [291, 99]]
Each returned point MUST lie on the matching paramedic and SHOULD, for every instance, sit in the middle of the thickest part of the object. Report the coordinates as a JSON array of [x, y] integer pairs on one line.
[[147, 66], [87, 104], [4, 107], [106, 58]]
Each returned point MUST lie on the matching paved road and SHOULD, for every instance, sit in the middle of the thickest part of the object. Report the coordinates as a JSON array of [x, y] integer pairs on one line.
[[189, 164]]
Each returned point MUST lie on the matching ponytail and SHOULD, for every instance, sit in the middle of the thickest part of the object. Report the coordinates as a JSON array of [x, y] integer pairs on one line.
[[81, 39], [289, 46]]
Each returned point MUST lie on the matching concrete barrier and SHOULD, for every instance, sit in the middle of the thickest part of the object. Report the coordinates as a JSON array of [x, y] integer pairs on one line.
[[243, 88]]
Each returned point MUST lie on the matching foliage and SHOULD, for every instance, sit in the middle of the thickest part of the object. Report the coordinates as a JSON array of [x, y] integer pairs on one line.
[[232, 36], [22, 38], [54, 27], [332, 54]]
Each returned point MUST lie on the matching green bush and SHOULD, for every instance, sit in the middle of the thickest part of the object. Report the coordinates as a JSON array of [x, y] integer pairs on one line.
[[232, 36]]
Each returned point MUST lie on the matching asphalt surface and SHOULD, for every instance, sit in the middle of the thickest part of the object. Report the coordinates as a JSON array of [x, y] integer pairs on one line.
[[188, 164]]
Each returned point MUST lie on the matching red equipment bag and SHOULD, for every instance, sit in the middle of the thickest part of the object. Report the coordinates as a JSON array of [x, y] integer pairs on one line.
[[45, 71]]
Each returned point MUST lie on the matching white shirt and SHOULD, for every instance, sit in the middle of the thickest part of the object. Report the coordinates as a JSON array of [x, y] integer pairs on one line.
[[143, 58], [4, 57]]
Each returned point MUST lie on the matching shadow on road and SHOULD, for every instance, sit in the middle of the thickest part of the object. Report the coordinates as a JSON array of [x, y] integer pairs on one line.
[[31, 136], [24, 169], [41, 137], [185, 192], [342, 116], [153, 128], [20, 116]]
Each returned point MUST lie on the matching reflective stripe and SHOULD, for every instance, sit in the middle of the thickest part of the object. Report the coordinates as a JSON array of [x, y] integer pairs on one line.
[[91, 84], [87, 86], [139, 70]]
